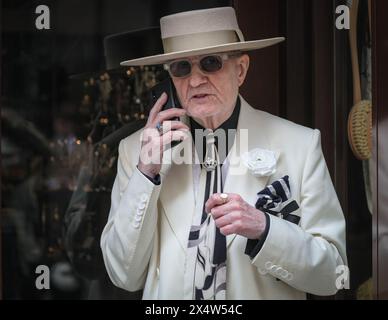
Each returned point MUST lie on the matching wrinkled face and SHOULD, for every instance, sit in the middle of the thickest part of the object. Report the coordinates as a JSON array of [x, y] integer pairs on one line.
[[205, 94]]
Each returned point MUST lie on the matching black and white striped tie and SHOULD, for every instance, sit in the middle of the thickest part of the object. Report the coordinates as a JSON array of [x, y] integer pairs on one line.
[[207, 246]]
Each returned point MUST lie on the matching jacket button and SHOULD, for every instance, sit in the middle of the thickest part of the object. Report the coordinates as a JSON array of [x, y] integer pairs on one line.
[[138, 218], [268, 265], [136, 225], [284, 274], [278, 271], [144, 198], [290, 276], [273, 268], [141, 205], [262, 271]]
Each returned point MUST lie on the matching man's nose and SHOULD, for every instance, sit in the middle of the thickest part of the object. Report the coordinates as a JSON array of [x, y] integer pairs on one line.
[[197, 77]]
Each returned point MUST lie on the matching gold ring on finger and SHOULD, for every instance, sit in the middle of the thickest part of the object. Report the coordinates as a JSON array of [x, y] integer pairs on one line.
[[224, 197]]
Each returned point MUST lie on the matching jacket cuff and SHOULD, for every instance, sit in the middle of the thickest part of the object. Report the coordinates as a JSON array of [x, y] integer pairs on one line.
[[254, 246], [156, 180]]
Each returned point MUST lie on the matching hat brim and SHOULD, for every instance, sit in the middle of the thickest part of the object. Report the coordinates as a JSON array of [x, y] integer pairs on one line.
[[236, 46]]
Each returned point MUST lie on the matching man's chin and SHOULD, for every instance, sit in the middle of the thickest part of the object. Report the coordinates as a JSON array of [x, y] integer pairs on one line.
[[201, 112]]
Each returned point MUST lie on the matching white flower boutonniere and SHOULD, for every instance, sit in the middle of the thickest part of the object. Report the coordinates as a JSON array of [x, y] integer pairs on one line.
[[260, 162]]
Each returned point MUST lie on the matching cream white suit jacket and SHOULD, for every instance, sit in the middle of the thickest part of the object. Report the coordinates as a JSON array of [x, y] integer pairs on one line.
[[144, 241]]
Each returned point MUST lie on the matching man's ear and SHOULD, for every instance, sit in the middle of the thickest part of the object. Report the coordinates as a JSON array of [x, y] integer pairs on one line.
[[243, 66]]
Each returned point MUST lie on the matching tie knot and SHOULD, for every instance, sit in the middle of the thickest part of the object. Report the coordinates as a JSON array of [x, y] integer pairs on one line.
[[210, 137], [211, 157]]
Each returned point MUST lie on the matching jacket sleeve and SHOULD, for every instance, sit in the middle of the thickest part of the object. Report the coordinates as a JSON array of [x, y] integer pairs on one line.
[[127, 239], [309, 257]]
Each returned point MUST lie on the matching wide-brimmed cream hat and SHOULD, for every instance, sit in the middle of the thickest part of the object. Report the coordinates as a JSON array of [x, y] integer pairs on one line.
[[201, 32]]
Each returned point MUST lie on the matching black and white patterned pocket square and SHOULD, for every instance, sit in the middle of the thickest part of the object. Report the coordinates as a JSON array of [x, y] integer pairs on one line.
[[276, 199]]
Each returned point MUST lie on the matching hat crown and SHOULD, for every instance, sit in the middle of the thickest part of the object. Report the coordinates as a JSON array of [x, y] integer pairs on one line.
[[197, 21], [215, 24]]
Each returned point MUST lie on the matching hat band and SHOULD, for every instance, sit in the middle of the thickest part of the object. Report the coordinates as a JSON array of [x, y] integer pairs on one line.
[[199, 40]]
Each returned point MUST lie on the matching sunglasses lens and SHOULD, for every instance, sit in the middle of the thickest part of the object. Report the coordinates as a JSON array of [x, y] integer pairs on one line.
[[211, 63], [180, 68]]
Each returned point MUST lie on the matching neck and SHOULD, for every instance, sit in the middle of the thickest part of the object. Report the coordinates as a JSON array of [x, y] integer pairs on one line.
[[215, 121]]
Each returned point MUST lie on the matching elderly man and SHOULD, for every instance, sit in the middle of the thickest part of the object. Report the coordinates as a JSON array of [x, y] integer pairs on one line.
[[205, 228]]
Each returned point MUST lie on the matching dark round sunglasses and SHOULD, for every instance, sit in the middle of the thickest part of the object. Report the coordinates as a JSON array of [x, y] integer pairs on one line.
[[208, 64]]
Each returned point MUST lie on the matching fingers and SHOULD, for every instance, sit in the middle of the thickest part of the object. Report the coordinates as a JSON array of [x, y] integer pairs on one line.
[[158, 115], [174, 125], [153, 143], [152, 151], [159, 142], [228, 218], [151, 133], [216, 200], [165, 115], [174, 135], [221, 210], [157, 107], [230, 222], [229, 229]]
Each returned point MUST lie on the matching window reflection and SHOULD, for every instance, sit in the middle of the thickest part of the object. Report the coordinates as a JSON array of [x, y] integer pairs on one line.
[[56, 190]]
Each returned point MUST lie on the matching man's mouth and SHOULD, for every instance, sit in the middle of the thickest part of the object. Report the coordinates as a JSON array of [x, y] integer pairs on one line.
[[200, 96]]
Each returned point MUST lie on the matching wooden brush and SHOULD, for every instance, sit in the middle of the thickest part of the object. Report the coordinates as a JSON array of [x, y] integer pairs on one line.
[[360, 117]]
